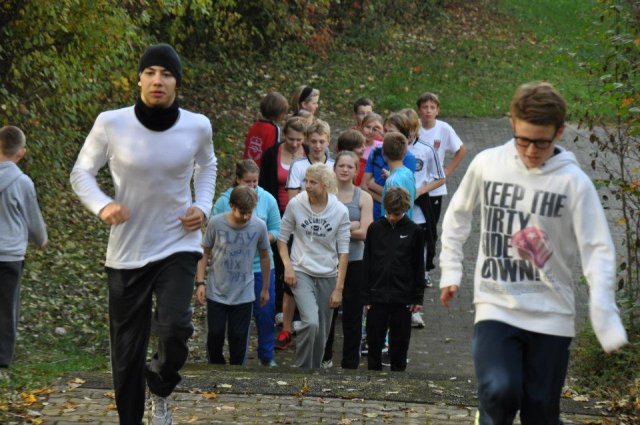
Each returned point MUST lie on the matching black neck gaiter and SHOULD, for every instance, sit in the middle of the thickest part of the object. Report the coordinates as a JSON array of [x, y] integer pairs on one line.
[[157, 119]]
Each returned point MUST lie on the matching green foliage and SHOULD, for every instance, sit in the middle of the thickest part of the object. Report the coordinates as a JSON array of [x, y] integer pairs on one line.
[[614, 71], [57, 74], [611, 113], [225, 28]]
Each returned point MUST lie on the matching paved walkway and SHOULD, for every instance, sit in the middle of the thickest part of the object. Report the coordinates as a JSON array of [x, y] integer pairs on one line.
[[438, 387]]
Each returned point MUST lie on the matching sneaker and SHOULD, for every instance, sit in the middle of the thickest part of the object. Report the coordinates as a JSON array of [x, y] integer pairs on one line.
[[279, 319], [271, 363], [364, 348], [386, 360], [427, 280], [416, 321], [284, 340], [326, 364], [160, 411], [297, 324]]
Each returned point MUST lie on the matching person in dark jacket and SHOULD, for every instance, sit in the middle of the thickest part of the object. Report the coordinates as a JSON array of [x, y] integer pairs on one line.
[[394, 283]]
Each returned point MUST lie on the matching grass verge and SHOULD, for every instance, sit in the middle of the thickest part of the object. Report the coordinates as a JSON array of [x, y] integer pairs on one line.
[[612, 377]]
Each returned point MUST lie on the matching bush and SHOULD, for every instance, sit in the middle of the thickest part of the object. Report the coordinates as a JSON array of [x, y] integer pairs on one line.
[[615, 71], [614, 67], [60, 64], [225, 28]]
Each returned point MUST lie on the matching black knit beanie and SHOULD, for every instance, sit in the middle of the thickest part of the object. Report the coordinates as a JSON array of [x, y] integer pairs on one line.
[[162, 55]]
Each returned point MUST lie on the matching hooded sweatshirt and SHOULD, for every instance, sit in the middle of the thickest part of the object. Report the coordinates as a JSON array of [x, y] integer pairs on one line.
[[316, 235], [534, 222], [20, 216]]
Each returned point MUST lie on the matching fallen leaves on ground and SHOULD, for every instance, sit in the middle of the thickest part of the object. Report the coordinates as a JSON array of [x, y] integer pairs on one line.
[[28, 398], [209, 395], [568, 392], [26, 404], [75, 382]]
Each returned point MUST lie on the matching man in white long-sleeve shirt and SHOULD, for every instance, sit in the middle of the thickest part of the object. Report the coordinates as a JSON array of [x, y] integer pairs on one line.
[[153, 149]]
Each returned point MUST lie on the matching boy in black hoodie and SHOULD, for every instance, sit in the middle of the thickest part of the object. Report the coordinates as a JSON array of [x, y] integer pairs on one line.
[[394, 284]]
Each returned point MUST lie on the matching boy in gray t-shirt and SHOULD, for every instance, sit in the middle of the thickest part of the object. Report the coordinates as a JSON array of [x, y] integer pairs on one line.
[[230, 243]]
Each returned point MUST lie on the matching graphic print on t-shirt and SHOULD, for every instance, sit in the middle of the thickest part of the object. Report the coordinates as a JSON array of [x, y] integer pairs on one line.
[[236, 250], [515, 252]]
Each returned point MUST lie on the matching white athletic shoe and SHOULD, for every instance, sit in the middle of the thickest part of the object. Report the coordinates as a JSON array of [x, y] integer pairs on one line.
[[278, 319], [160, 411], [386, 359], [416, 321], [326, 364], [427, 280]]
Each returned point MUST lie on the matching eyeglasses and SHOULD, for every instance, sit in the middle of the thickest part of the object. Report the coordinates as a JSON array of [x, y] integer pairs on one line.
[[524, 142]]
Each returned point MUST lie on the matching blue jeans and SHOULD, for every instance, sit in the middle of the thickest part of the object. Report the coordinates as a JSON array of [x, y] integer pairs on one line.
[[519, 370], [265, 318], [235, 319]]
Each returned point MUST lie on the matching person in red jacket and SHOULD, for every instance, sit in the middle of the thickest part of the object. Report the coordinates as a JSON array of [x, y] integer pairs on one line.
[[265, 132]]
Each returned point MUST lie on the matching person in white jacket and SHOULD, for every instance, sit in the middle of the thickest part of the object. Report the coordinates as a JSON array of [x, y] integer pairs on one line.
[[154, 151], [317, 266], [538, 211]]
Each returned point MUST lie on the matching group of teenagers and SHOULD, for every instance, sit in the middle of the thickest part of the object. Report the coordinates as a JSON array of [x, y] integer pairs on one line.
[[327, 256], [356, 231]]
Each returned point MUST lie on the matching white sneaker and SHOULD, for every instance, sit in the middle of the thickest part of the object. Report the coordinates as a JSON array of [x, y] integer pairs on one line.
[[278, 319], [160, 411], [386, 359], [326, 364], [416, 321]]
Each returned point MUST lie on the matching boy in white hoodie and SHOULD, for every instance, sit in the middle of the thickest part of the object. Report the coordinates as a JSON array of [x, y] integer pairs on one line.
[[538, 210]]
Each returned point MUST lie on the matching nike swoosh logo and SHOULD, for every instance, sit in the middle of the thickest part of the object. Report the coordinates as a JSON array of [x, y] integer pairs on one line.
[[404, 236]]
